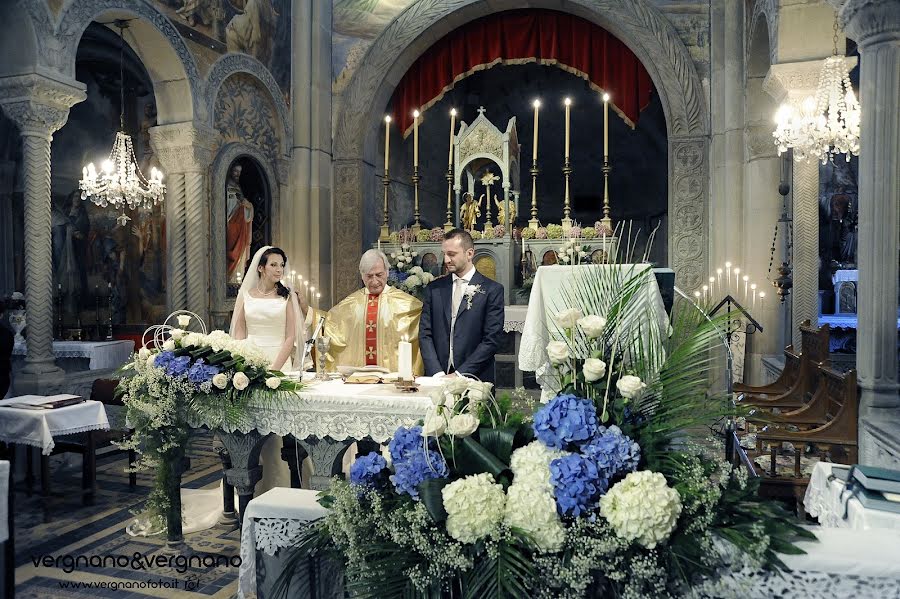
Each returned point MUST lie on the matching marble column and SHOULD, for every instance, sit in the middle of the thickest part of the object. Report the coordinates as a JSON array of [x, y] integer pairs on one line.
[[875, 25], [185, 152], [40, 107]]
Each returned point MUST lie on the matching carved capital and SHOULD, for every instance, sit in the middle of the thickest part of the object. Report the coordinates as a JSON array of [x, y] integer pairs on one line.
[[869, 21], [184, 147], [793, 80], [39, 105]]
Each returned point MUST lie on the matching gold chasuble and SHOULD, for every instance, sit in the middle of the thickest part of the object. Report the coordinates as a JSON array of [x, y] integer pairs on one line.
[[367, 329]]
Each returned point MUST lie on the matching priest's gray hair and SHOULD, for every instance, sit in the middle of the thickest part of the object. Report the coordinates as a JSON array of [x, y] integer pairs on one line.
[[370, 258]]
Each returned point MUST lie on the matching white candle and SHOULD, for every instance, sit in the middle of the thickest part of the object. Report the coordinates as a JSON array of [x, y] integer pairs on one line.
[[719, 280], [737, 278], [568, 106], [415, 138], [753, 289], [523, 246], [379, 245], [605, 125], [452, 127], [404, 361], [537, 105], [706, 292], [387, 142], [762, 300], [746, 280]]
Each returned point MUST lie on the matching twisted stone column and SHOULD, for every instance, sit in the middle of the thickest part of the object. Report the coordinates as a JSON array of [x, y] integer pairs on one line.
[[875, 25], [805, 303], [40, 107], [185, 152]]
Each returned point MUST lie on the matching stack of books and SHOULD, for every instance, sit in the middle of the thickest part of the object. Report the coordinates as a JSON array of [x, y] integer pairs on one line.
[[877, 488]]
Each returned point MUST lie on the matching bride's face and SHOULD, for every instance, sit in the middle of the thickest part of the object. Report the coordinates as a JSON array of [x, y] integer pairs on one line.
[[273, 271]]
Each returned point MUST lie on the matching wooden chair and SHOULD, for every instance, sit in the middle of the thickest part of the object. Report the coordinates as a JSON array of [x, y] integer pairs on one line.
[[814, 351], [834, 440]]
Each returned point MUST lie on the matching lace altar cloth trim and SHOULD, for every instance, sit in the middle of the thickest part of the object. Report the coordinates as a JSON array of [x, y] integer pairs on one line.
[[39, 427], [751, 584], [102, 354], [340, 411], [267, 535]]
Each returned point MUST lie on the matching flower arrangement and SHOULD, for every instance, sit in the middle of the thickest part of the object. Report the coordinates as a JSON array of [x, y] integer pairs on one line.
[[476, 234], [499, 231], [554, 232], [594, 494], [574, 232], [572, 252], [528, 233], [488, 233], [423, 235], [402, 261], [180, 379], [436, 235], [589, 233], [541, 233]]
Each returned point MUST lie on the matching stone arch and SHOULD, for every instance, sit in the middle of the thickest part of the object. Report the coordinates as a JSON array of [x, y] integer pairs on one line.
[[760, 106], [244, 112], [764, 11], [155, 40], [220, 305], [233, 63], [638, 24]]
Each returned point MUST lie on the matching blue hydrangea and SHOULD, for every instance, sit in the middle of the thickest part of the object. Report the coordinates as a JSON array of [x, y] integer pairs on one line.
[[566, 419], [401, 276], [613, 452], [406, 442], [178, 366], [409, 473], [201, 372], [368, 471], [162, 359], [577, 484]]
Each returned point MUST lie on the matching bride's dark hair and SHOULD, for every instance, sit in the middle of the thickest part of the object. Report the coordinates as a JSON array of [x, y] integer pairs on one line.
[[264, 259]]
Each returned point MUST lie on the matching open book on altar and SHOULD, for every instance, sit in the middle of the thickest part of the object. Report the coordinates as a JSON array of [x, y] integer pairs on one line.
[[363, 375]]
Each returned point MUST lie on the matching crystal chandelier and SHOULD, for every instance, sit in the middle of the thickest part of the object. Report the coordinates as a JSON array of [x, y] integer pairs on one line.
[[120, 182], [825, 124]]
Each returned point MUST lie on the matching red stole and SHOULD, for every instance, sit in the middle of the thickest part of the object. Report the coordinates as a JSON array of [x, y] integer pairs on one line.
[[372, 330]]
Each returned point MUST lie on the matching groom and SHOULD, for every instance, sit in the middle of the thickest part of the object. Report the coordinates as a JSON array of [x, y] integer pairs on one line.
[[462, 315]]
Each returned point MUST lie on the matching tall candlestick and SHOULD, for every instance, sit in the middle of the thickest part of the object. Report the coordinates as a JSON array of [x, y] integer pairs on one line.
[[568, 103], [452, 128], [746, 280], [762, 300], [727, 276], [753, 289], [404, 361], [534, 143], [605, 125], [387, 142], [415, 138], [719, 280], [737, 278]]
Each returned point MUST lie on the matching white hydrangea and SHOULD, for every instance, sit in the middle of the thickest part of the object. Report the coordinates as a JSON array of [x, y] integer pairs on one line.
[[642, 508], [475, 507], [533, 510], [531, 465], [416, 270], [412, 281]]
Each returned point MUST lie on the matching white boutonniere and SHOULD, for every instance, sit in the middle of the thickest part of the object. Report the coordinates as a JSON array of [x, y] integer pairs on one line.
[[469, 293]]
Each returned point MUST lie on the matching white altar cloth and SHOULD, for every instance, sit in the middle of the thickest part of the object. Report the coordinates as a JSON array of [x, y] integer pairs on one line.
[[39, 427], [514, 319], [102, 354], [273, 521], [825, 500], [340, 411], [547, 298]]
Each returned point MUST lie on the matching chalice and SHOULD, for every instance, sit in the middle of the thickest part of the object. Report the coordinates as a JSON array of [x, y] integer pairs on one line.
[[323, 344]]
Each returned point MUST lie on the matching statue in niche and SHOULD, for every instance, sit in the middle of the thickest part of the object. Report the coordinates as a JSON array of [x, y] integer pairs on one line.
[[501, 211], [239, 232], [252, 31], [469, 211]]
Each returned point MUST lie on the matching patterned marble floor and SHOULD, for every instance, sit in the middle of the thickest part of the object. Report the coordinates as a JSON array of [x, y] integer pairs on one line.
[[87, 535]]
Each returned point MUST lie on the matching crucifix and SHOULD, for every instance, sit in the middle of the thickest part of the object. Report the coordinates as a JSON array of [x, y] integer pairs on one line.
[[481, 110]]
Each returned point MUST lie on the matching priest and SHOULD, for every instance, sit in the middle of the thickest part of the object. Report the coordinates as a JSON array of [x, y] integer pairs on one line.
[[366, 327]]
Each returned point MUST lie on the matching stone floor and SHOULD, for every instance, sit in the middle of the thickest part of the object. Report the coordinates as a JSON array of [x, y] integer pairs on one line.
[[90, 534]]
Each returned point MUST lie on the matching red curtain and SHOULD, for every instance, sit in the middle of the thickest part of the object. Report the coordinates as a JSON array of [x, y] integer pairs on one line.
[[518, 36]]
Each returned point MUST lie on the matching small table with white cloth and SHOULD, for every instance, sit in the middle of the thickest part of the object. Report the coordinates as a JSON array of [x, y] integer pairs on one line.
[[548, 297], [7, 545], [99, 355], [326, 419], [828, 499], [43, 427]]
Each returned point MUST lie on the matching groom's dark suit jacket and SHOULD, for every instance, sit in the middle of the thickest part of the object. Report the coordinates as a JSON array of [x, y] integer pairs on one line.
[[476, 334]]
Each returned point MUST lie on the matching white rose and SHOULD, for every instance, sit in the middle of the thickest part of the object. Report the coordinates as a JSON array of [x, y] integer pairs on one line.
[[415, 270], [568, 318], [386, 454], [414, 254], [478, 392], [273, 382], [184, 320], [143, 353], [456, 385], [434, 425], [394, 255], [412, 281], [220, 380], [169, 345], [630, 386], [594, 369], [176, 334], [151, 361], [592, 325], [570, 251], [240, 381], [437, 397], [558, 352], [462, 425]]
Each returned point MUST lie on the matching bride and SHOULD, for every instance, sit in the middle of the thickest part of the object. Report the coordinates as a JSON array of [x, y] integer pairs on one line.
[[266, 313]]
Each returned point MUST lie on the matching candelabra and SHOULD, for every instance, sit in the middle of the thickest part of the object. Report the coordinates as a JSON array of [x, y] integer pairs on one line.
[[449, 176], [534, 223], [417, 226], [567, 208], [606, 221], [59, 312], [385, 229]]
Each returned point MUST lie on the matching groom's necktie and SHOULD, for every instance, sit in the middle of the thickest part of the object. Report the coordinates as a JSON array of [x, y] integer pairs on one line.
[[459, 285]]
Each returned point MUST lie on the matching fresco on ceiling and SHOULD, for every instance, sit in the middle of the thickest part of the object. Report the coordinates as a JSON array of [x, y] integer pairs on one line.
[[355, 24], [260, 28]]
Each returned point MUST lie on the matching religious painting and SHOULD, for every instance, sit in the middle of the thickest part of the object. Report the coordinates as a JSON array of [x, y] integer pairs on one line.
[[260, 28], [486, 265], [549, 258], [430, 263], [247, 222]]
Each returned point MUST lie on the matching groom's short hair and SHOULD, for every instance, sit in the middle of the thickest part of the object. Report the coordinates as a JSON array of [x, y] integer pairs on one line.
[[465, 239]]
